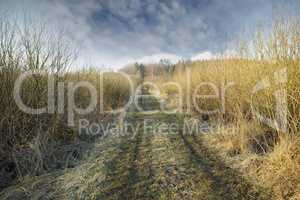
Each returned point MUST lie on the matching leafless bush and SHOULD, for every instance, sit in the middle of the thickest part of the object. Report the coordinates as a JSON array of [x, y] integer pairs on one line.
[[31, 48]]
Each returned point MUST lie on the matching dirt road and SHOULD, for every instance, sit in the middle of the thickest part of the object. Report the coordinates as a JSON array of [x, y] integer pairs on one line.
[[152, 162]]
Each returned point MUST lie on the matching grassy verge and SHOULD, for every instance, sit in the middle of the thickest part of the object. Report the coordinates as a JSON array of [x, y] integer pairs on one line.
[[277, 169]]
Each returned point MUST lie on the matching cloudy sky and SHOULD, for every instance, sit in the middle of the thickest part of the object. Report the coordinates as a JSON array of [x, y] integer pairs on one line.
[[112, 33]]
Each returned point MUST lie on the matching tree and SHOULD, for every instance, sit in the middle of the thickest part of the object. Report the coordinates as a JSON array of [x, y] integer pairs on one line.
[[167, 66], [141, 69]]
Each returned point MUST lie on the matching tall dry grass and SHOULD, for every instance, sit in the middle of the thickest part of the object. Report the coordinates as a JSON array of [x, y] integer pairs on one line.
[[268, 53], [29, 49], [32, 48], [267, 56]]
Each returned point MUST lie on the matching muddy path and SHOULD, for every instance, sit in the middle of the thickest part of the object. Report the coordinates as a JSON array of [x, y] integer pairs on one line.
[[151, 162]]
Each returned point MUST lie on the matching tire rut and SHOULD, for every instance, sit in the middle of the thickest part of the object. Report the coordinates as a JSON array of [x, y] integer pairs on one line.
[[176, 176], [228, 183], [125, 172]]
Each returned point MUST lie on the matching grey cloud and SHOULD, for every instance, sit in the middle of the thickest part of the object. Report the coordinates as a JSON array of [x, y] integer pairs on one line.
[[111, 32]]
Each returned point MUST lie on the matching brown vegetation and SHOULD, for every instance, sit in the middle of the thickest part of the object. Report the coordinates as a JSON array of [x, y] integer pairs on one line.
[[267, 154]]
